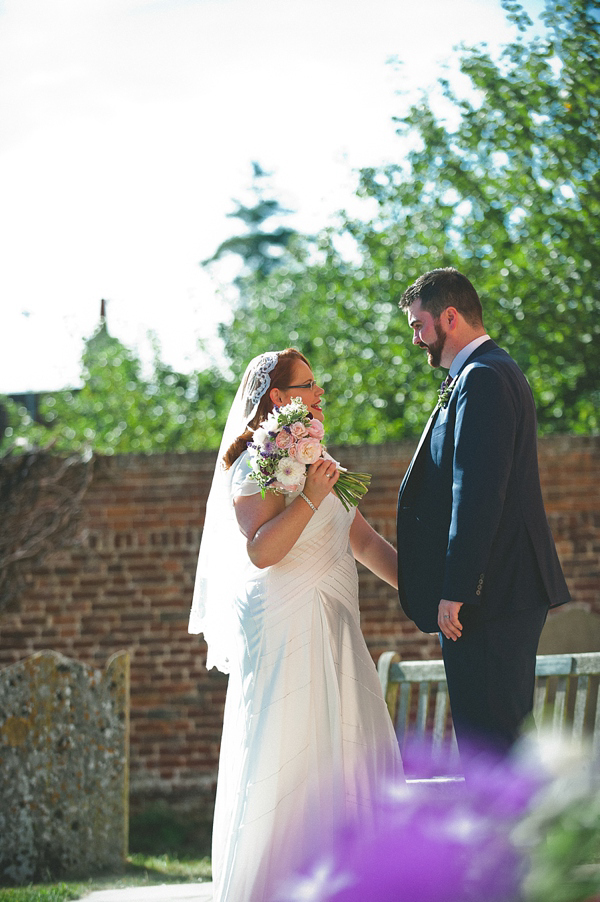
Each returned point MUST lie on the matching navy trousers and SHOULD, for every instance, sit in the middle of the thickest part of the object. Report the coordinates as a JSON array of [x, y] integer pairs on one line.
[[490, 672]]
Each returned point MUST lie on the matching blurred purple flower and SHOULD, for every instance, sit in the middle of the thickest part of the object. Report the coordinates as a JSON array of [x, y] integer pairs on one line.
[[430, 844]]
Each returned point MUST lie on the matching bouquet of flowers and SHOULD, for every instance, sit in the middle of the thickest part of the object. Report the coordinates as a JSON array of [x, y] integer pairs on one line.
[[285, 444]]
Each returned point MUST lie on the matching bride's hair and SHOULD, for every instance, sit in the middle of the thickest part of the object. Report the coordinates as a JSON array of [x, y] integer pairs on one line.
[[280, 378]]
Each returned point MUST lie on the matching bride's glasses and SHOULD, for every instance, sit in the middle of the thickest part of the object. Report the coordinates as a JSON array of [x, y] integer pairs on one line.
[[307, 385]]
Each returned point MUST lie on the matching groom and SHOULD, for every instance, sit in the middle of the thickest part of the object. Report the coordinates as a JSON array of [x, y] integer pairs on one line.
[[476, 557]]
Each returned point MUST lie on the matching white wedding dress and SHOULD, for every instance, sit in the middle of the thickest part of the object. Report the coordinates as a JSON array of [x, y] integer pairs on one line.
[[307, 739]]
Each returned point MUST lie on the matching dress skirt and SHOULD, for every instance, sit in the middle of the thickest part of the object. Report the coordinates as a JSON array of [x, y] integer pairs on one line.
[[307, 739]]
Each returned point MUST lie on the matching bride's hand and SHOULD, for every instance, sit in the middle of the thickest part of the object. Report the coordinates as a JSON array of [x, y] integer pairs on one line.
[[320, 479]]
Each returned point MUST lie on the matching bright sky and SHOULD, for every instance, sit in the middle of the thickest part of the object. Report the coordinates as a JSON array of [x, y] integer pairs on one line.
[[127, 126]]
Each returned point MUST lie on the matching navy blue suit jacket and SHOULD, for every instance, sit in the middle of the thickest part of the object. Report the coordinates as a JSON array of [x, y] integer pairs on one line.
[[471, 520]]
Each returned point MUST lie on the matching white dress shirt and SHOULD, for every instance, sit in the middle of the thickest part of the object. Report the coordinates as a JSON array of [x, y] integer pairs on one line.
[[465, 353]]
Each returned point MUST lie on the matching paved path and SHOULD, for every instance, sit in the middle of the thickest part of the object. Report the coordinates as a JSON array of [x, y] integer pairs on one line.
[[166, 892]]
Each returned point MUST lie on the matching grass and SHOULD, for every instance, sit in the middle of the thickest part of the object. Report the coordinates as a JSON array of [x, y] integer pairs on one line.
[[141, 870]]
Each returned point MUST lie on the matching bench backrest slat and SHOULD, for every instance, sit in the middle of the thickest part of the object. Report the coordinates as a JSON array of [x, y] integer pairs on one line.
[[560, 706], [566, 696], [596, 734], [540, 696], [440, 714], [422, 709], [581, 698], [403, 710]]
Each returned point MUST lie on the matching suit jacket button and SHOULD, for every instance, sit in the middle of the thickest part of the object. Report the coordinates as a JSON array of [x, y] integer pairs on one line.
[[478, 592]]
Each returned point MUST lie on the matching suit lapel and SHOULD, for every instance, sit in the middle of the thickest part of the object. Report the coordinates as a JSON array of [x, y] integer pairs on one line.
[[422, 440], [486, 346]]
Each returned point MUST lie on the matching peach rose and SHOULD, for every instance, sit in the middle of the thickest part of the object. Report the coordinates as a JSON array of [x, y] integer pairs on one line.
[[308, 450], [284, 439], [298, 429]]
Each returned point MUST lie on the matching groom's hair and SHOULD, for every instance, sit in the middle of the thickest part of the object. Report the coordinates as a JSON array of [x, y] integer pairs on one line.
[[441, 288]]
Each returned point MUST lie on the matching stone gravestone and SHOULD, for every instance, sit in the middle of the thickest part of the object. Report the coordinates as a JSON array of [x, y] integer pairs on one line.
[[64, 730], [570, 630]]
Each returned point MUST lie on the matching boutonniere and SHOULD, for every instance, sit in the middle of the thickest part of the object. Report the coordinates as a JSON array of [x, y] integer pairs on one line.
[[444, 392]]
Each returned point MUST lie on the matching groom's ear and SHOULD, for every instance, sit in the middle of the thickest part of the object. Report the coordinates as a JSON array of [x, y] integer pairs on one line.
[[451, 316]]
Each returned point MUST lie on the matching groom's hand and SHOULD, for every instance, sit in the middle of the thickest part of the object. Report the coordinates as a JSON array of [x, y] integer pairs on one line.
[[448, 621]]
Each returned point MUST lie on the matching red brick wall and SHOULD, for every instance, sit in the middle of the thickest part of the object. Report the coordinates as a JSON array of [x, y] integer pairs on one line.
[[129, 585]]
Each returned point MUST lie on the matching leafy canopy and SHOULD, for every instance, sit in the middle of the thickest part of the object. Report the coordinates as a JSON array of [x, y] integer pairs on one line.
[[119, 409], [509, 195], [503, 183]]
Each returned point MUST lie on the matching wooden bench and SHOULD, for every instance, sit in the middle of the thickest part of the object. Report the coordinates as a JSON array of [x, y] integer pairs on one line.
[[566, 700]]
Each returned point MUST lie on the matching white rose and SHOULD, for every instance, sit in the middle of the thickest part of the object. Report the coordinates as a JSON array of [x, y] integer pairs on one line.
[[289, 472], [260, 436], [270, 424]]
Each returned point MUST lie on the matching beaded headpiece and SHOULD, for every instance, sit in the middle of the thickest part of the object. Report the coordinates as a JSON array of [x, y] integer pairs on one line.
[[258, 379]]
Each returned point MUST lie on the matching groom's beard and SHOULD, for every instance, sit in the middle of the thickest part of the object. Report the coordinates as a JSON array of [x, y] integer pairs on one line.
[[434, 350]]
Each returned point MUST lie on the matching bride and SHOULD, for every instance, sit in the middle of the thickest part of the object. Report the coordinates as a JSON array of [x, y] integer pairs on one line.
[[307, 739]]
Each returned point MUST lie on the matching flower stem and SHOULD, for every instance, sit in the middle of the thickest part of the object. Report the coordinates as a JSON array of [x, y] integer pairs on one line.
[[351, 487]]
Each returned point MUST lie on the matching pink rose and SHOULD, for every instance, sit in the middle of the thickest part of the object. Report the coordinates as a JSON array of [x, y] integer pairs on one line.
[[316, 429], [284, 439], [298, 429], [308, 450]]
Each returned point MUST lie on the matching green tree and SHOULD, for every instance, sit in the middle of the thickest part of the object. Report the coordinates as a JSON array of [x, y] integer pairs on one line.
[[260, 247], [510, 195], [343, 318], [119, 409]]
